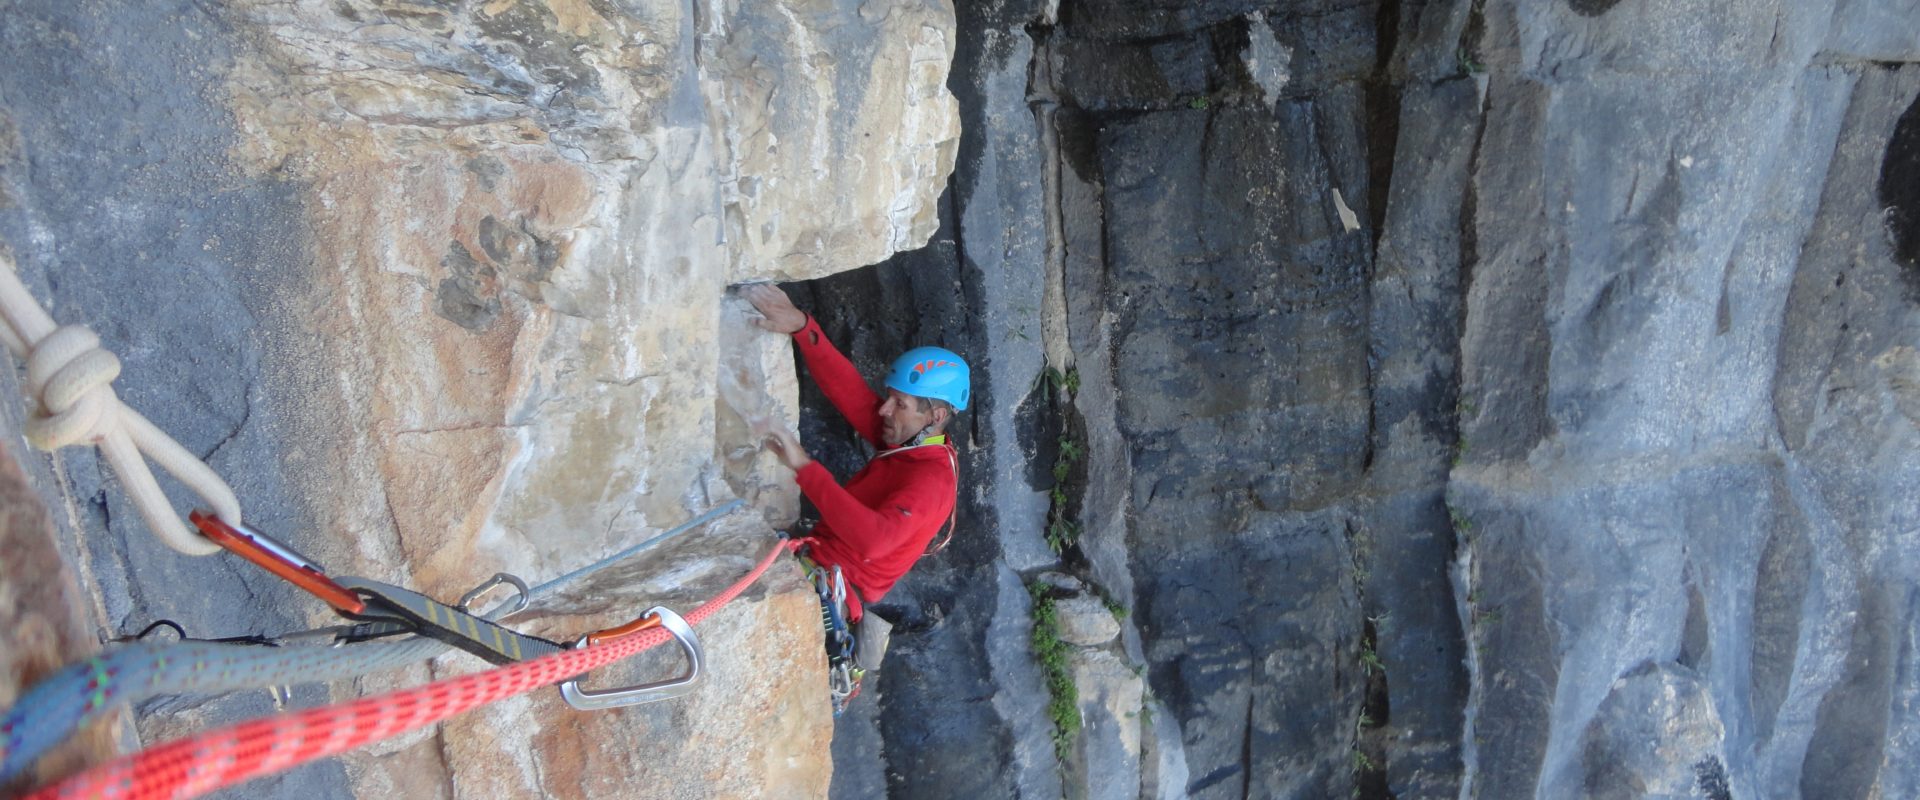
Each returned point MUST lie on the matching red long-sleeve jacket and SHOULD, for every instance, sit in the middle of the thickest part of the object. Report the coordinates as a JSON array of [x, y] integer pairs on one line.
[[880, 523]]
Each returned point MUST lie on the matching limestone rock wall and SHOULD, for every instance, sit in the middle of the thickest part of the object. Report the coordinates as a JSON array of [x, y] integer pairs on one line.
[[1487, 399], [442, 289]]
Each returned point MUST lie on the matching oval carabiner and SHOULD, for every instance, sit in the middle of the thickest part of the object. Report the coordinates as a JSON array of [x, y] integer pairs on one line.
[[519, 600], [585, 700]]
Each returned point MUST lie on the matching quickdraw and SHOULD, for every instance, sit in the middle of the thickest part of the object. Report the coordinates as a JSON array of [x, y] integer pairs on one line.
[[276, 557], [382, 609], [495, 643], [420, 626], [844, 674]]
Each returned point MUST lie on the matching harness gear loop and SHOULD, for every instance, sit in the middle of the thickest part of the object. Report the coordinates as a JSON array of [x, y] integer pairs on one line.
[[843, 673], [661, 617], [70, 379]]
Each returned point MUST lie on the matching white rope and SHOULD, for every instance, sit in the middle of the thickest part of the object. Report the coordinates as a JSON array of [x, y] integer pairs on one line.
[[70, 379]]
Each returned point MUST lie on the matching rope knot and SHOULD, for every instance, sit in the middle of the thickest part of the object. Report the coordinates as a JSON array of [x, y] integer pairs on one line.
[[71, 377]]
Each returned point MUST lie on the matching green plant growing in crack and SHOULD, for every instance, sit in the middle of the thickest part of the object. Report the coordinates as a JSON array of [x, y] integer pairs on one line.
[[1062, 530], [1053, 653], [1363, 763], [1067, 382], [1371, 662], [1464, 61], [1061, 533], [1459, 519]]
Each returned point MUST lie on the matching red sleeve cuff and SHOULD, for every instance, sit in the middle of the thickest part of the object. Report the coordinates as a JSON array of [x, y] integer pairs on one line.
[[810, 336]]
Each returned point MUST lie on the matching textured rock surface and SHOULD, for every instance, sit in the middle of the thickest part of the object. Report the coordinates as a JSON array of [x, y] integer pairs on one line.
[[1513, 393], [1644, 450], [440, 288], [1655, 735], [1485, 399], [1085, 621], [43, 617]]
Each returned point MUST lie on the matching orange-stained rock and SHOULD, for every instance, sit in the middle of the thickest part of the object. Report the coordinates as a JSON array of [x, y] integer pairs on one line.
[[515, 347]]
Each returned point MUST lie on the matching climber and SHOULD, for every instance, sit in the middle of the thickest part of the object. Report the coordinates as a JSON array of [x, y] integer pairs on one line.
[[882, 521]]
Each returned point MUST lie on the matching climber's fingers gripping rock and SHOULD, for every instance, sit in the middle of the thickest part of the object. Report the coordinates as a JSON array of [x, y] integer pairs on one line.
[[779, 314]]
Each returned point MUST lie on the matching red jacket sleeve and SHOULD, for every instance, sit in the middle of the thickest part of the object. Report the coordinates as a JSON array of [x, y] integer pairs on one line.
[[841, 382], [876, 529]]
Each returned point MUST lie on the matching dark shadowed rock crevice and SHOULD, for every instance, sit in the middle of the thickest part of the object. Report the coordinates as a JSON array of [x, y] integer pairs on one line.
[[1900, 188], [1421, 489]]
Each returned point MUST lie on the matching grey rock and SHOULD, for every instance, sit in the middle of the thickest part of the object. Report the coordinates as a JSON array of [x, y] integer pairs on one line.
[[1656, 735], [96, 182], [1061, 582], [1111, 696], [1085, 621], [1624, 340]]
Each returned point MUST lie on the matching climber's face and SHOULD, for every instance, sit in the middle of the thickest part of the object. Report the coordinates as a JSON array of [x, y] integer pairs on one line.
[[903, 415]]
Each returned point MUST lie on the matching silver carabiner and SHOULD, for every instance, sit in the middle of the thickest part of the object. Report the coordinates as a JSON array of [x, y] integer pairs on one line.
[[584, 700], [519, 601]]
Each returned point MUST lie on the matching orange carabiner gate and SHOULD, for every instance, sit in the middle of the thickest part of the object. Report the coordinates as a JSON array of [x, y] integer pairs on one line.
[[623, 631], [278, 559]]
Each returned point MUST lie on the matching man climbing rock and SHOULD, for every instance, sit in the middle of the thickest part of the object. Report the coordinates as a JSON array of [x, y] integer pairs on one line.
[[876, 526]]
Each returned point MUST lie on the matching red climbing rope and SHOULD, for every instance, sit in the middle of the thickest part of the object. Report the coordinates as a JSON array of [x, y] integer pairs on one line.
[[220, 758]]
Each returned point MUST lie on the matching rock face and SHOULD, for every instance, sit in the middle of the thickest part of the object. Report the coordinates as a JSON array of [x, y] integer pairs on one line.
[[1483, 399], [42, 612], [441, 289]]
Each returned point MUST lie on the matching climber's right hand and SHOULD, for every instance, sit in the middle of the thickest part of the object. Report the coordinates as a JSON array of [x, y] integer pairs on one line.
[[778, 313], [786, 447]]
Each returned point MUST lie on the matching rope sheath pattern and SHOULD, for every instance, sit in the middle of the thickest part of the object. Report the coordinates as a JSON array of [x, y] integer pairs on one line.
[[70, 379], [82, 692], [74, 696], [227, 756]]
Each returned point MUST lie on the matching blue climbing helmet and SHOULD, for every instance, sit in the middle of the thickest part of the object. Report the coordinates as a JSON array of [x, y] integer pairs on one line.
[[932, 372]]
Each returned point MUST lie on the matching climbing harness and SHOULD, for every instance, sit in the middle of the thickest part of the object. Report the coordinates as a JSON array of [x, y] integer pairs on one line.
[[843, 672], [237, 753], [70, 378]]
